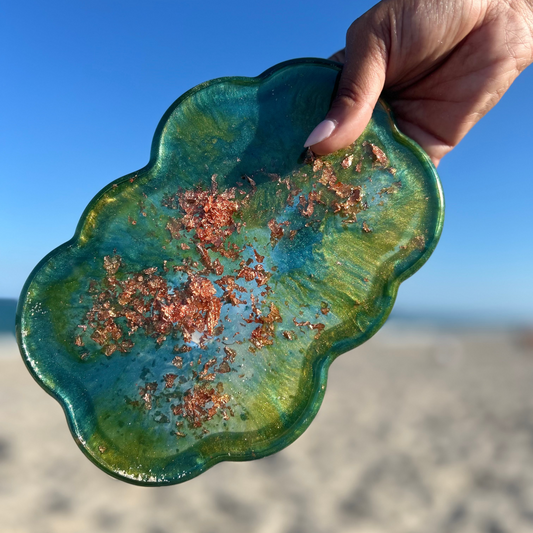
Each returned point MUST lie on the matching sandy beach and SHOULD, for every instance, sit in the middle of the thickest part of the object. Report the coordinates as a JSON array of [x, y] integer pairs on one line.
[[423, 430]]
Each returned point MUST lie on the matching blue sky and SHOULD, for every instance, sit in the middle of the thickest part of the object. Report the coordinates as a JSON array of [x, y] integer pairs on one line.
[[84, 84]]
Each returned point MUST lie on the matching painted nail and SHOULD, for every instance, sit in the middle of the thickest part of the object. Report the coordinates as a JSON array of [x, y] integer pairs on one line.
[[321, 132]]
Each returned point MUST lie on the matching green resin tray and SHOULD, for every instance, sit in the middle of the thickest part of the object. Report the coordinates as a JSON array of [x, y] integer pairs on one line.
[[193, 316]]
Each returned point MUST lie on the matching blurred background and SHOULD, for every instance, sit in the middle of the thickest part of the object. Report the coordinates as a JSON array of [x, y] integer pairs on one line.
[[428, 427]]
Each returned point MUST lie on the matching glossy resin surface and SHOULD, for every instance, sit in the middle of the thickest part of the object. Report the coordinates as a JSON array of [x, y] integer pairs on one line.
[[193, 316]]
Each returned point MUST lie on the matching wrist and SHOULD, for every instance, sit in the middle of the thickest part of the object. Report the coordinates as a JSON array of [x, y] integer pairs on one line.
[[518, 27], [524, 8]]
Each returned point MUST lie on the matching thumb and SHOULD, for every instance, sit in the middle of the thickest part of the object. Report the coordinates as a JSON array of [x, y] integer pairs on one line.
[[362, 80]]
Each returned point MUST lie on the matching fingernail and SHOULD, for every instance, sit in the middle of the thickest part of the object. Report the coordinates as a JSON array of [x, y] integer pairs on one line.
[[321, 132]]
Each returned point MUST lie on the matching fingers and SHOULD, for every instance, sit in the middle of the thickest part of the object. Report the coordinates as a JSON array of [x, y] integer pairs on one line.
[[360, 85], [338, 56]]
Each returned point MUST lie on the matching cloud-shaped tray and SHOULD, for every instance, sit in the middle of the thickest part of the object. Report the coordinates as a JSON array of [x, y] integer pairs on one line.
[[193, 316]]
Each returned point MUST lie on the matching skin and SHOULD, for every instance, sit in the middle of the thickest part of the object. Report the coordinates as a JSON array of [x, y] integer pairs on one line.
[[440, 64]]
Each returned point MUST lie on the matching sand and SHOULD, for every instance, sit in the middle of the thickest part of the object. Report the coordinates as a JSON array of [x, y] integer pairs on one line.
[[421, 431]]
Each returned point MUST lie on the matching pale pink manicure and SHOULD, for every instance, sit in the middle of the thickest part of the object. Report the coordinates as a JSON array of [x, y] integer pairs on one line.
[[321, 132]]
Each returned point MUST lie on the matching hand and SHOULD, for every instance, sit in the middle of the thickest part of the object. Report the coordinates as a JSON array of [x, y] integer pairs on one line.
[[441, 65]]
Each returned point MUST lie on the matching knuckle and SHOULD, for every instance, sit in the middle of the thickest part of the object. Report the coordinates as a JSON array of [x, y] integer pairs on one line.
[[347, 95], [353, 30], [350, 94]]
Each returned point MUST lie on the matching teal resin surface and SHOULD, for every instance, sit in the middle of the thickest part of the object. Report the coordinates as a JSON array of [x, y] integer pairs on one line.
[[193, 316]]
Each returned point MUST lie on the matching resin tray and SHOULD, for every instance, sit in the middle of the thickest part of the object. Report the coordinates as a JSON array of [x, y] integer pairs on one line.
[[193, 316]]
